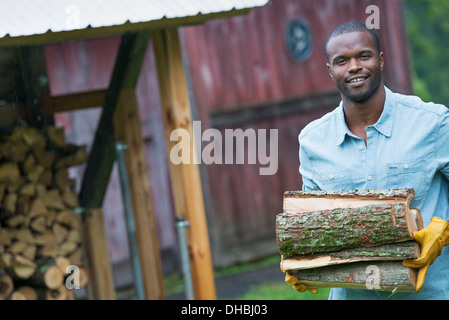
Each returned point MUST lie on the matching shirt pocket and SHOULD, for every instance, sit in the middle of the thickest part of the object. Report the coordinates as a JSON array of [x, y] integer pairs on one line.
[[335, 180], [408, 174]]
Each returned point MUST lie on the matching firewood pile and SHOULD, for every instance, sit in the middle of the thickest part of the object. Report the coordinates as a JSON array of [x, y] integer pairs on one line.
[[41, 252], [349, 239]]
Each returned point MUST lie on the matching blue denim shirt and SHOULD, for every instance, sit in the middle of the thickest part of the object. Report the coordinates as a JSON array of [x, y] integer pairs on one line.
[[408, 147]]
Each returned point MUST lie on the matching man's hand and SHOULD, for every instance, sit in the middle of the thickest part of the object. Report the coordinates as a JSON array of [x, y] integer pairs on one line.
[[294, 283], [432, 240]]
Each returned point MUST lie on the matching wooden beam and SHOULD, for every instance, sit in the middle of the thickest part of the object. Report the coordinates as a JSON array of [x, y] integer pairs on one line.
[[125, 75], [33, 69], [185, 178], [95, 245], [71, 102], [128, 130]]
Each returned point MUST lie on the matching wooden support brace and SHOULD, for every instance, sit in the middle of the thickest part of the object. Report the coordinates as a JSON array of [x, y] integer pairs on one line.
[[185, 178], [125, 75], [96, 247], [128, 131]]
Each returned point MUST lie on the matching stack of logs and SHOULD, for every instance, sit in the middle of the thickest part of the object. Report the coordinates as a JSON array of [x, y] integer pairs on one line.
[[349, 239], [40, 231]]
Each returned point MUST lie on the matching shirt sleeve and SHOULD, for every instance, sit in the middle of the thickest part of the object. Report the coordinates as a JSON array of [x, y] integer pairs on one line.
[[306, 169], [443, 145]]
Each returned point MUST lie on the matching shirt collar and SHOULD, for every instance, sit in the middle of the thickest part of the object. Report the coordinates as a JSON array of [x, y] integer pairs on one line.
[[384, 125]]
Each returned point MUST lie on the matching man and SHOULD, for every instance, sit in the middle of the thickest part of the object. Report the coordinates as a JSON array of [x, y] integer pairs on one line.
[[376, 139]]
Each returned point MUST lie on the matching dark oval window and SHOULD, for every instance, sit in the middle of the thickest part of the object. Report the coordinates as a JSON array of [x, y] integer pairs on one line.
[[298, 40]]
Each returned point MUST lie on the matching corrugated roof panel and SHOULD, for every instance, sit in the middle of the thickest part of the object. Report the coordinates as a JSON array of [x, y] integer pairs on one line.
[[30, 17]]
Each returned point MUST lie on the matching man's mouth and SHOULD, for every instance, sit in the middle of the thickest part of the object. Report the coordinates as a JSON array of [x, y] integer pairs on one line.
[[357, 79]]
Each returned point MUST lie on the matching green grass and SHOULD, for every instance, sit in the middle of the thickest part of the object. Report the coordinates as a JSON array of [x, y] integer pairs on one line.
[[174, 283], [281, 291]]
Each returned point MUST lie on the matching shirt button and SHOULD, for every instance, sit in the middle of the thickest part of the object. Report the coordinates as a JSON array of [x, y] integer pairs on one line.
[[360, 148], [406, 166], [370, 178], [331, 176]]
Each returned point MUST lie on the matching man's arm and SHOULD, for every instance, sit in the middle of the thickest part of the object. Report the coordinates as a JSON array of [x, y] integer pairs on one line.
[[306, 169], [435, 236]]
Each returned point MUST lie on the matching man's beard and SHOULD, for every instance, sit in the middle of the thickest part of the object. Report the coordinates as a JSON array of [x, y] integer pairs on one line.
[[359, 95]]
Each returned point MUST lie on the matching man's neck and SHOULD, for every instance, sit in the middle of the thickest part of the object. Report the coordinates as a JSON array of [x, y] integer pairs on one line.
[[359, 115]]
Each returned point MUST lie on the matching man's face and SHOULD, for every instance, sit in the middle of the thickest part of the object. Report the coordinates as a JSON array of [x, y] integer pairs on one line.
[[355, 65]]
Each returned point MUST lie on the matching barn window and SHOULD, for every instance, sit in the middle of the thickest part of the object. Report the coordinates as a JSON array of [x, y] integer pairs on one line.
[[298, 40]]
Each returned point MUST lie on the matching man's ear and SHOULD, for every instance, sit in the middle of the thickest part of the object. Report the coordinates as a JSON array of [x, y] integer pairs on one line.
[[381, 60], [330, 71]]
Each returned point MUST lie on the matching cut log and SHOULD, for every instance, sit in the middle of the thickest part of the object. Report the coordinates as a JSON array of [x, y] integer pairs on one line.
[[319, 222], [9, 172], [60, 293], [53, 200], [386, 252], [24, 293], [382, 275], [68, 218], [21, 268], [56, 135], [70, 199], [77, 158], [38, 224], [6, 285], [47, 275], [37, 208], [61, 179], [342, 228]]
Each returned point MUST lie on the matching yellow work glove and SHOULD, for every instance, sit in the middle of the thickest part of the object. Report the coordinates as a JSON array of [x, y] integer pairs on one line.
[[432, 240], [294, 283]]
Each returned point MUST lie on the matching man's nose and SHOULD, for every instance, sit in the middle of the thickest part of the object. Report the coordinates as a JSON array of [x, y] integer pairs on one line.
[[354, 65]]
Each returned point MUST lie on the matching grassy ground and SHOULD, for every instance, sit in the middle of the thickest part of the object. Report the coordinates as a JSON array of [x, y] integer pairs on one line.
[[275, 291], [173, 283]]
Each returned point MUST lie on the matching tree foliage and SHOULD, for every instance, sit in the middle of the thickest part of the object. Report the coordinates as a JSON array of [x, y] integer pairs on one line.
[[427, 27]]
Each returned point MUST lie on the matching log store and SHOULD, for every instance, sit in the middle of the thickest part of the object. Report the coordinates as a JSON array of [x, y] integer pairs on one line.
[[46, 225]]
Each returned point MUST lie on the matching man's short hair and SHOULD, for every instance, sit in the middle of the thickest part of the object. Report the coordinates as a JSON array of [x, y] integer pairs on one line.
[[349, 27]]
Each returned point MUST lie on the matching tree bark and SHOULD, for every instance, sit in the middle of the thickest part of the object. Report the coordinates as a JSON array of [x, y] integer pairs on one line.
[[386, 252], [382, 275], [341, 228]]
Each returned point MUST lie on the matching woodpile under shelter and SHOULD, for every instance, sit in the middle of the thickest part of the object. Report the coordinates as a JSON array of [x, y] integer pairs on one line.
[[26, 28]]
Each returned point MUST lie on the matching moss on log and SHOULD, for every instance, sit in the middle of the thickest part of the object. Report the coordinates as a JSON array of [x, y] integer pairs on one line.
[[386, 252], [341, 228]]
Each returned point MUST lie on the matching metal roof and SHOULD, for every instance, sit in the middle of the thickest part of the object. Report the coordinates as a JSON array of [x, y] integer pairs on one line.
[[26, 18]]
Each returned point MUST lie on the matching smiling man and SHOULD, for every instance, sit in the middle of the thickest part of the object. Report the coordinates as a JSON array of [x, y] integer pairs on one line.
[[376, 139]]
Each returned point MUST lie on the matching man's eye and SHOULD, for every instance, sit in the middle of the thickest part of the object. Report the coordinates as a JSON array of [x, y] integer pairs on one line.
[[340, 61]]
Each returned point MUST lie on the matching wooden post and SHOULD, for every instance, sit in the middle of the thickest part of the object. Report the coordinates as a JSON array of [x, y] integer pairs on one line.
[[128, 130], [125, 75], [96, 247], [33, 70], [185, 178]]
